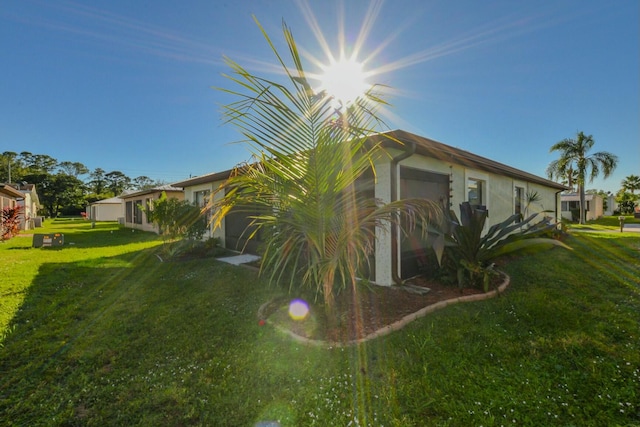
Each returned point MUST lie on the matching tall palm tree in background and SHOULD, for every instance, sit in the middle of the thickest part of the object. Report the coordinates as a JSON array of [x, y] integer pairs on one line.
[[299, 190], [575, 158], [631, 183]]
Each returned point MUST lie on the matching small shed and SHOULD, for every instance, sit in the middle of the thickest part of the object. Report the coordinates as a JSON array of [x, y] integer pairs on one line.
[[110, 209]]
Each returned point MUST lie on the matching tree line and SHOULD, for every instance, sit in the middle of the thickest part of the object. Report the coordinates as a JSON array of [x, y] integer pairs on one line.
[[65, 187]]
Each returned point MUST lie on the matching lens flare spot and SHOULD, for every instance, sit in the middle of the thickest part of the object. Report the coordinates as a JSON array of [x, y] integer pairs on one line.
[[298, 309]]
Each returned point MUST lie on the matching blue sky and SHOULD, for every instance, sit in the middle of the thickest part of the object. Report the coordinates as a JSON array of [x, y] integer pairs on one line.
[[128, 85]]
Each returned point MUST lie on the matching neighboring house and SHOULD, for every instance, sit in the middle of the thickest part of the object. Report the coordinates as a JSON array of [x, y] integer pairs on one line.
[[419, 167], [135, 202], [111, 209], [571, 206], [30, 204], [9, 196], [612, 205]]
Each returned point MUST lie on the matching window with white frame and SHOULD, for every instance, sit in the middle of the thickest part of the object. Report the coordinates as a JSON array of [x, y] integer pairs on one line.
[[201, 199], [476, 193]]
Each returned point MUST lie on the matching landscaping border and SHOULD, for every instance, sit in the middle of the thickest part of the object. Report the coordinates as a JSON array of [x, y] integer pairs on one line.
[[395, 326]]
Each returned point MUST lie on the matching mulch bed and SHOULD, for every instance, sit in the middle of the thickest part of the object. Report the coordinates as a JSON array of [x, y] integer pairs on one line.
[[363, 312]]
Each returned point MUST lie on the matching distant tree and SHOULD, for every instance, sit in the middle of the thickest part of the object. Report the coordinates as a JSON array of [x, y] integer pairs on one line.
[[574, 156], [61, 192], [626, 202], [37, 163], [98, 182], [73, 168], [143, 183], [631, 183], [117, 182], [10, 167], [570, 179]]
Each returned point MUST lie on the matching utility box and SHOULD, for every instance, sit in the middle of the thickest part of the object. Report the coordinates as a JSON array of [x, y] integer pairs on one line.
[[48, 240]]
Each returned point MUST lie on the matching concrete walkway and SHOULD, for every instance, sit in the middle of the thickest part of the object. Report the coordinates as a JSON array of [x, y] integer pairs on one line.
[[631, 227], [239, 259]]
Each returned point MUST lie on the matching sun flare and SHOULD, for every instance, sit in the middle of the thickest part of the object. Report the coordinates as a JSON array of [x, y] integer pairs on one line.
[[344, 80]]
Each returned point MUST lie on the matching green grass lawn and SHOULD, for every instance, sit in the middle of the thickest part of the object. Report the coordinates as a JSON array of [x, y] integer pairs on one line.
[[101, 332], [605, 223]]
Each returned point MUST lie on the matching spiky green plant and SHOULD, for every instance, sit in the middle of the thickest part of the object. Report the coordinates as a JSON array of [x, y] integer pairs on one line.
[[475, 253], [300, 191]]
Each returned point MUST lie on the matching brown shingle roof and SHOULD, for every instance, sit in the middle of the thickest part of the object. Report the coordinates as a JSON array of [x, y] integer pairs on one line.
[[425, 147]]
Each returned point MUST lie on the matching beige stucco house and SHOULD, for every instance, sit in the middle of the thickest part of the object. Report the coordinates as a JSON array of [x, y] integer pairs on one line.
[[9, 196], [418, 167], [571, 206], [134, 203]]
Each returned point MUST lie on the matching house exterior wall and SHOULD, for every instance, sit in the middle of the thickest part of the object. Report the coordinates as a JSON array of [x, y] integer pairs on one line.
[[212, 187], [27, 211], [498, 197], [105, 211], [135, 217], [595, 206]]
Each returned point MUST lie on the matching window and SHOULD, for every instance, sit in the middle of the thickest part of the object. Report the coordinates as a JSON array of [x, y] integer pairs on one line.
[[518, 199], [148, 204], [137, 212], [475, 193], [572, 205], [129, 212], [201, 199]]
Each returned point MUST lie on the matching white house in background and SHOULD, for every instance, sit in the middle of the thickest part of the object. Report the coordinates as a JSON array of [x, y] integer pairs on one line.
[[134, 203], [418, 167], [612, 205], [571, 206], [30, 204], [111, 209]]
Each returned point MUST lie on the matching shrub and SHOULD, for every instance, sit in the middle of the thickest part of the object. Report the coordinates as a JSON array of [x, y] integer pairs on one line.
[[474, 254], [10, 222]]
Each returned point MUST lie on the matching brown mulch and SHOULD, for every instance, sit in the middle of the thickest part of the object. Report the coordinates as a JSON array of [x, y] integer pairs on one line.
[[370, 308]]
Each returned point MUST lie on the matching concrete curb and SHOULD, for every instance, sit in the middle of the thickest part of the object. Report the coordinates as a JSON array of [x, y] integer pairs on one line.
[[392, 327]]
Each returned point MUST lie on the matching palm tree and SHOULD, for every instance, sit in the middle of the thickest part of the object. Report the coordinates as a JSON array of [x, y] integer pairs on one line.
[[299, 191], [574, 156], [631, 183]]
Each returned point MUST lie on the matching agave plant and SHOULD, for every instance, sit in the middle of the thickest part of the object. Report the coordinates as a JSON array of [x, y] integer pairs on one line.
[[475, 254], [300, 189]]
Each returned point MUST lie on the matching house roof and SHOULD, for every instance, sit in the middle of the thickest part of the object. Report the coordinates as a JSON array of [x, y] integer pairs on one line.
[[203, 179], [8, 190], [109, 201], [425, 147], [166, 188], [446, 153], [572, 197]]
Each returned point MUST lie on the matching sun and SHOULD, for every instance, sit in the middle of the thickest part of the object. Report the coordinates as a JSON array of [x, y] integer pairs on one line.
[[344, 80]]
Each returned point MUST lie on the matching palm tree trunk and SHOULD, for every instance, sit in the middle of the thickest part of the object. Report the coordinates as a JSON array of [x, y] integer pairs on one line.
[[582, 204]]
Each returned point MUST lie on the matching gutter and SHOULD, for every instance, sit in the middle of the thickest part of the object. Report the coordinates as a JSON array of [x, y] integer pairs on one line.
[[395, 244], [558, 214]]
